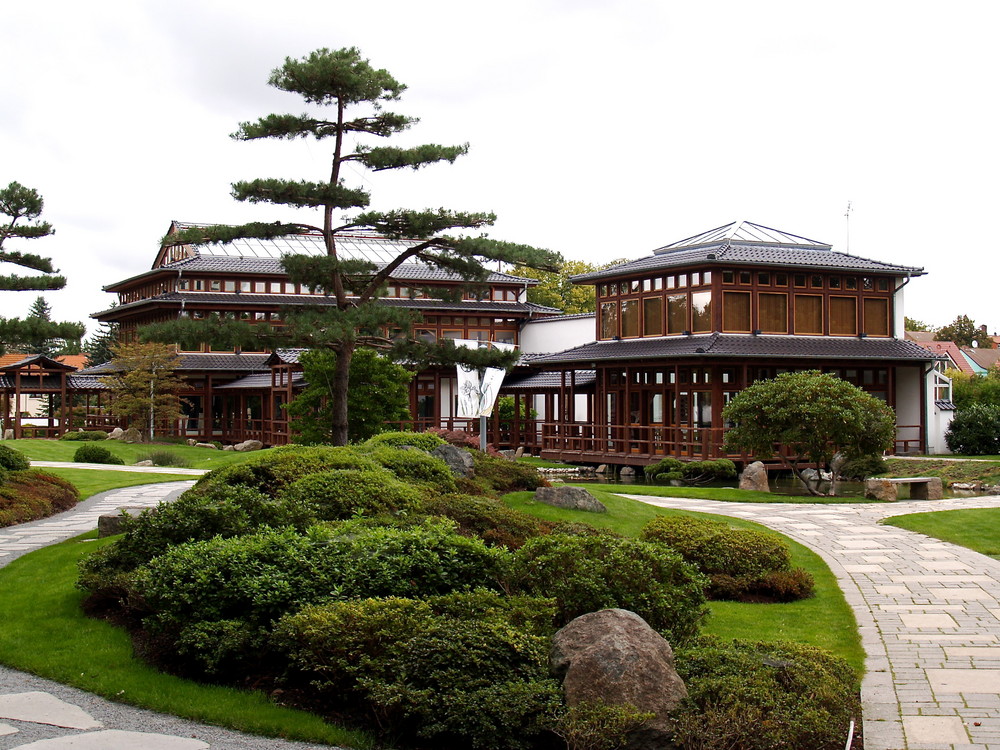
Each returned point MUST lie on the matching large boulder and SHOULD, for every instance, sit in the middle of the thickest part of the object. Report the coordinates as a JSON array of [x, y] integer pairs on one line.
[[574, 498], [132, 435], [881, 489], [754, 477], [459, 461], [614, 657], [116, 434], [248, 445]]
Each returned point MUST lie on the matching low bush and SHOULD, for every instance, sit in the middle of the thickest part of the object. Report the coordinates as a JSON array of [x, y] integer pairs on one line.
[[342, 493], [588, 573], [96, 454], [12, 459], [691, 472], [742, 564], [164, 458], [413, 466], [760, 696], [497, 474], [209, 605], [425, 441], [487, 518], [859, 469], [31, 494], [598, 725], [461, 670], [975, 430], [84, 435]]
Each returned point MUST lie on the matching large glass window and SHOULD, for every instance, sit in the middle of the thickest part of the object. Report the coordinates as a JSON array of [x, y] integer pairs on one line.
[[736, 311], [772, 313], [844, 316], [677, 313], [630, 318], [877, 317], [609, 320], [652, 316], [808, 313], [701, 312]]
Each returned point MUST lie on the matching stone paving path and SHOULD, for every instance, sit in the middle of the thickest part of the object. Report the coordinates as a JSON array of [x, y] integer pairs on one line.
[[928, 612], [37, 714]]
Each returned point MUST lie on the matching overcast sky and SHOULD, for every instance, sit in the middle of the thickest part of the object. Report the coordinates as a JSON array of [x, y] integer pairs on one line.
[[598, 129]]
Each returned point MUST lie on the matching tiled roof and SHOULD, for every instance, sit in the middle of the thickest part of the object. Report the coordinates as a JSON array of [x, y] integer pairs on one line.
[[721, 346], [548, 381], [20, 360], [201, 361], [244, 300], [985, 358], [259, 380], [745, 243], [951, 350]]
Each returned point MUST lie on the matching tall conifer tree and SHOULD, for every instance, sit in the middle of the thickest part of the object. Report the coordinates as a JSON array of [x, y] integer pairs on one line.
[[354, 94]]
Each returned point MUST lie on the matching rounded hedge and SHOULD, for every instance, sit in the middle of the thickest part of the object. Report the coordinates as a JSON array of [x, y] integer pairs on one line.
[[487, 518], [12, 459], [96, 454], [414, 465], [342, 493], [975, 430], [425, 441], [588, 573], [717, 548]]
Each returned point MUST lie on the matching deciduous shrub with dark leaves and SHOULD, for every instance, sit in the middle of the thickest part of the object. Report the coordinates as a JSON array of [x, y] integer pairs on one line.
[[31, 494], [95, 454]]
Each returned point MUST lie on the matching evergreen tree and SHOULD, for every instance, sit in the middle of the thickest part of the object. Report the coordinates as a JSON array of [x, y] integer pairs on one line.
[[355, 93], [145, 388], [98, 347], [20, 208]]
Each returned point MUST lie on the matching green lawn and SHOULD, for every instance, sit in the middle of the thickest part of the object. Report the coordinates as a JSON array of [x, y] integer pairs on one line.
[[825, 620], [63, 450], [44, 632], [975, 528], [92, 481], [722, 494]]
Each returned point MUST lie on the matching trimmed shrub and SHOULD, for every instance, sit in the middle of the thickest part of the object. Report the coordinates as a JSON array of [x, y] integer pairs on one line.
[[691, 472], [12, 459], [775, 586], [975, 430], [214, 602], [497, 474], [84, 435], [486, 518], [429, 669], [32, 494], [425, 441], [598, 725], [859, 469], [588, 573], [686, 535], [760, 696], [414, 465], [96, 454], [272, 470], [342, 493], [164, 458]]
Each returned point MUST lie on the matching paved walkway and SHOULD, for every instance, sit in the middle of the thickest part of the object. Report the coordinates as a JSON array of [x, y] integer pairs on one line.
[[37, 714], [928, 612]]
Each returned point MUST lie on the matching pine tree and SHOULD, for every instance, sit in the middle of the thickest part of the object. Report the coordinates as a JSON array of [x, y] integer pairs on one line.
[[355, 93], [98, 347], [145, 386], [20, 208]]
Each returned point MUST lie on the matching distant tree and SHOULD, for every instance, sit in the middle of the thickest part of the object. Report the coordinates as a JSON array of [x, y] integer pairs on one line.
[[356, 93], [964, 331], [377, 394], [968, 389], [812, 416], [20, 208], [556, 289], [98, 347], [144, 387], [911, 324], [36, 336], [975, 430]]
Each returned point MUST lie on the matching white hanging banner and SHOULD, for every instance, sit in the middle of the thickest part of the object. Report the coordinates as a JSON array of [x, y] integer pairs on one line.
[[469, 390], [477, 392]]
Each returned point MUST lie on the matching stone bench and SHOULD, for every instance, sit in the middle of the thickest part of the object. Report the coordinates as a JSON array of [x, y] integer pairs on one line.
[[921, 488]]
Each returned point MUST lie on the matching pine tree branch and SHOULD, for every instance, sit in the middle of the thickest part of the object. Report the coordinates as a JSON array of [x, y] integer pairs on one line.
[[302, 194], [382, 158]]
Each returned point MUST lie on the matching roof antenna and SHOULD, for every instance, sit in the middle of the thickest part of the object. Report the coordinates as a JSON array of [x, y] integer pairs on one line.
[[847, 221]]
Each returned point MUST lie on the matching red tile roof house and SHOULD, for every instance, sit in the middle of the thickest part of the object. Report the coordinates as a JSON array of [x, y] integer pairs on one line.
[[956, 358], [676, 335]]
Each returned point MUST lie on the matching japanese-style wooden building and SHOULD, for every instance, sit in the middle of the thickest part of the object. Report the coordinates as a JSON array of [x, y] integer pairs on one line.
[[675, 336]]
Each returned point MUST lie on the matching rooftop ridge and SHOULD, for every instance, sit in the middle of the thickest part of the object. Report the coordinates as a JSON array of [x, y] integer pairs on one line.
[[743, 232]]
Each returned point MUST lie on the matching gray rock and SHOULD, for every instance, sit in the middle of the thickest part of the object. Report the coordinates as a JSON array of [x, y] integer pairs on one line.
[[116, 434], [132, 435], [837, 463], [8, 434], [147, 462], [519, 452], [615, 657], [574, 498], [602, 469], [815, 475], [225, 447], [880, 489], [510, 455], [627, 471], [211, 446], [192, 441], [459, 461], [248, 445], [110, 525], [754, 477]]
